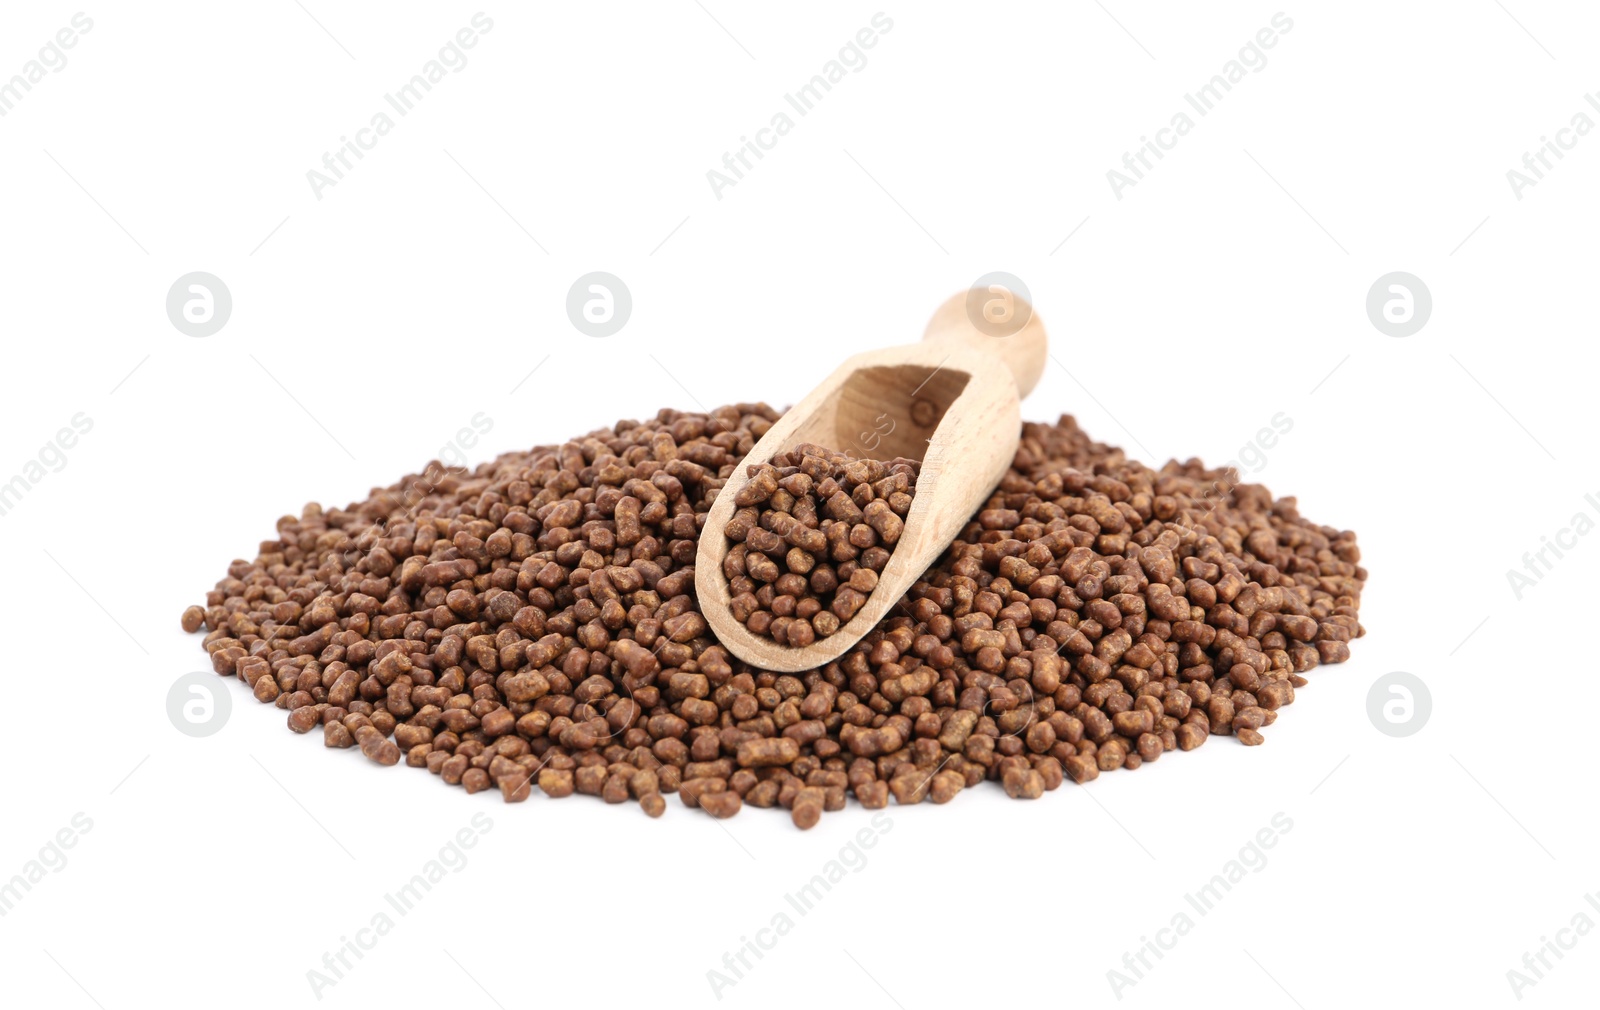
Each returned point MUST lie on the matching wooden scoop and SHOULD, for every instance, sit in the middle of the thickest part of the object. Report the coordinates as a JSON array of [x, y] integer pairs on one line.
[[951, 401]]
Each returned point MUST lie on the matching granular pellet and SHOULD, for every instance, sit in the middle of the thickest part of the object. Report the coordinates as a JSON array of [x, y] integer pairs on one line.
[[812, 531], [533, 622]]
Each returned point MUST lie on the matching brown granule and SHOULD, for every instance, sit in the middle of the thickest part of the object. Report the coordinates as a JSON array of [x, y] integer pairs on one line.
[[533, 623]]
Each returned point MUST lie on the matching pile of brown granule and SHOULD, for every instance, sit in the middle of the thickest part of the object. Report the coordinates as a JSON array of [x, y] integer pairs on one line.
[[813, 530], [533, 622]]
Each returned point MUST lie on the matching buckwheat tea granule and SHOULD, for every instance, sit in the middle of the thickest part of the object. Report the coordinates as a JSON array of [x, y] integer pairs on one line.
[[813, 530], [532, 623]]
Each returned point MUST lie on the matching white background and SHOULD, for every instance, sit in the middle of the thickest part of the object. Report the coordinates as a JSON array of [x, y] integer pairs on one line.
[[368, 326]]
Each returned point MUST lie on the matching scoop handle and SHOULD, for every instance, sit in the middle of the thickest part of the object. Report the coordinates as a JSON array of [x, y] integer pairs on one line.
[[998, 322]]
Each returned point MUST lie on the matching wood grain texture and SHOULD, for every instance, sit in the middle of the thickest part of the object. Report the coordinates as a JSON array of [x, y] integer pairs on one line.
[[952, 401]]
